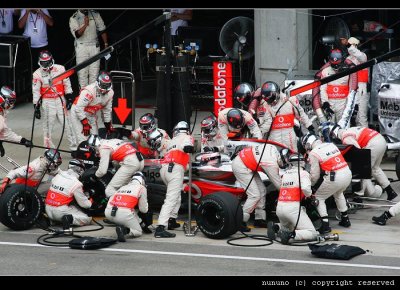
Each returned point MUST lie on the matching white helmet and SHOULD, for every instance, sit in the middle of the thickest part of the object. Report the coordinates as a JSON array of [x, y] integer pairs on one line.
[[208, 126], [334, 130], [296, 158], [308, 140], [53, 159], [283, 160], [7, 98], [154, 139], [139, 177], [181, 127], [94, 140], [77, 166]]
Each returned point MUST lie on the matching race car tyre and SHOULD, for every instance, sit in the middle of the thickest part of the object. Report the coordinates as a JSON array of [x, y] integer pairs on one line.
[[398, 167], [219, 215], [96, 189], [20, 209]]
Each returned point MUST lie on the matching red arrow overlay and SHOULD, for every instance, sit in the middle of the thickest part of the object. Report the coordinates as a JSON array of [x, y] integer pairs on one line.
[[122, 111]]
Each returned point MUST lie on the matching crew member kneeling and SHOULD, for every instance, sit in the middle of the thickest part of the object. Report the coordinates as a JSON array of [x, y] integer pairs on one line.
[[291, 193], [121, 208], [66, 188]]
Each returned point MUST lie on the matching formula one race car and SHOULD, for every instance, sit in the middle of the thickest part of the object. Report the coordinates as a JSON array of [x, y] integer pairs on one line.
[[215, 191]]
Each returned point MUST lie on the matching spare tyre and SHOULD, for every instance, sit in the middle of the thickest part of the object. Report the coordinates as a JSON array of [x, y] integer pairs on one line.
[[19, 209], [219, 215]]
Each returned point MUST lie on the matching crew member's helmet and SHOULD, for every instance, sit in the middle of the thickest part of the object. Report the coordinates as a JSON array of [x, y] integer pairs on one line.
[[295, 159], [334, 131], [181, 127], [139, 177], [283, 160], [336, 58], [270, 92], [77, 166], [104, 82], [308, 140], [53, 157], [147, 123], [208, 126], [235, 119], [94, 140], [243, 93], [154, 139], [46, 60], [8, 98]]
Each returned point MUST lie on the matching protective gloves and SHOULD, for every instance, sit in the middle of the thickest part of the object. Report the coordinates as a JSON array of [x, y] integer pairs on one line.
[[311, 129], [86, 127], [2, 151], [109, 127], [26, 142], [69, 101], [38, 115], [327, 108]]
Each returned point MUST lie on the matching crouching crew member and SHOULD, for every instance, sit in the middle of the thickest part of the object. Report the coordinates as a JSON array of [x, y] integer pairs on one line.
[[331, 175], [64, 190], [130, 161], [291, 193], [122, 207]]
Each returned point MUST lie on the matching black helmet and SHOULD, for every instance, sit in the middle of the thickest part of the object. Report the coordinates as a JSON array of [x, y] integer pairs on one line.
[[270, 92], [336, 58], [104, 82], [235, 119], [46, 60], [53, 157], [243, 93], [147, 123], [208, 125]]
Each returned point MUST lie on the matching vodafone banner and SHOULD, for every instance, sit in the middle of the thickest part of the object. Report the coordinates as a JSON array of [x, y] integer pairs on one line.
[[222, 72]]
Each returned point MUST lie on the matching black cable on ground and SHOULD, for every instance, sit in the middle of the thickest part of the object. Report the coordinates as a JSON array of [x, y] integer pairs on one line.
[[255, 237], [58, 233]]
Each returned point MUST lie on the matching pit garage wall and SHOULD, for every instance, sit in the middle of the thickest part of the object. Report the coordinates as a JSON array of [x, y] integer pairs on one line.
[[282, 37]]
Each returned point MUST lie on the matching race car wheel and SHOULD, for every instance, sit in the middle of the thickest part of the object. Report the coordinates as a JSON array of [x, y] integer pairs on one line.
[[219, 215], [96, 189], [19, 209]]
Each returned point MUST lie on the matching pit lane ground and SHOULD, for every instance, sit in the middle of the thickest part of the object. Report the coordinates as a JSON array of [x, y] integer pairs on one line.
[[191, 255]]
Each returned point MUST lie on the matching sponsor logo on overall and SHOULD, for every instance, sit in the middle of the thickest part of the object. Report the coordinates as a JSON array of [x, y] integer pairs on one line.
[[222, 72]]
